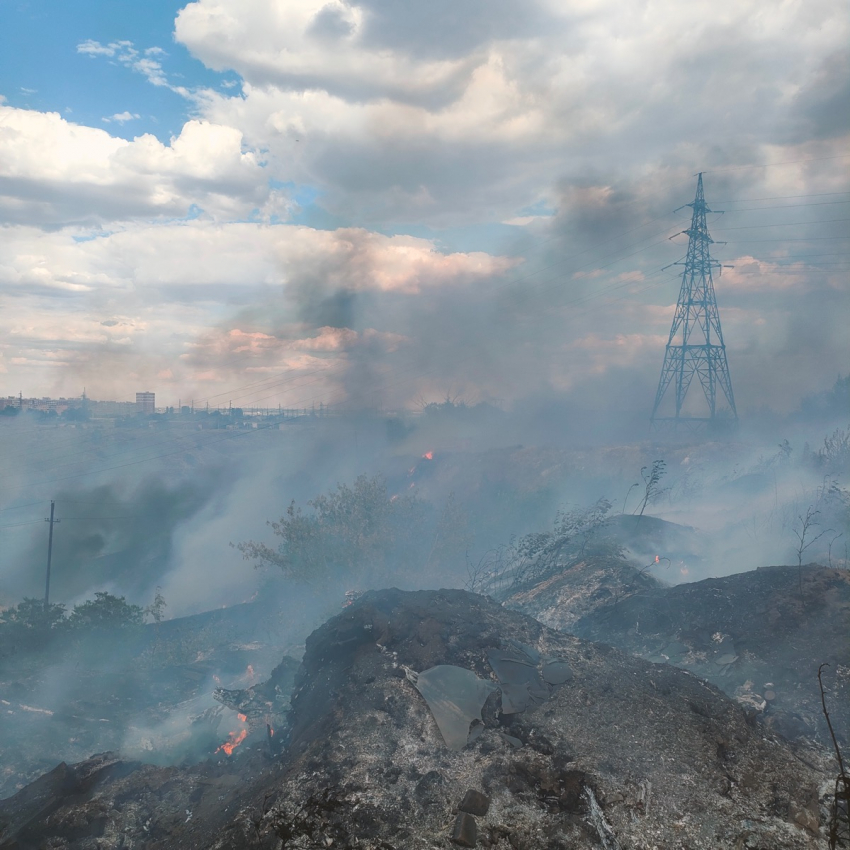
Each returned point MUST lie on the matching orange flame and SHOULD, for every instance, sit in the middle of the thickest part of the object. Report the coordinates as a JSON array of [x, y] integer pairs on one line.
[[242, 717], [236, 738], [428, 455], [657, 559]]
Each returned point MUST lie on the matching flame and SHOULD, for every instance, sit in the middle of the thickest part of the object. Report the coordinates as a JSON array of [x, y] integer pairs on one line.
[[271, 731], [242, 717], [236, 738], [657, 559], [428, 455]]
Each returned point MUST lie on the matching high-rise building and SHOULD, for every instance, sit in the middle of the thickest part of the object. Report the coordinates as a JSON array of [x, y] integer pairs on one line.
[[146, 402]]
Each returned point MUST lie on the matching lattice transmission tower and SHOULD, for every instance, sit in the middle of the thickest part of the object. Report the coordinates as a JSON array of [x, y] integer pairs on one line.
[[695, 346]]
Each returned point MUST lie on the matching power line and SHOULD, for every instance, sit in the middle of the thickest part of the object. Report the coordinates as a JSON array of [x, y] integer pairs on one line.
[[781, 224], [775, 164]]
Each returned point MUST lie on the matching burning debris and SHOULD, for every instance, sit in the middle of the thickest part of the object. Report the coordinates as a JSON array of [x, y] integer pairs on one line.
[[609, 757]]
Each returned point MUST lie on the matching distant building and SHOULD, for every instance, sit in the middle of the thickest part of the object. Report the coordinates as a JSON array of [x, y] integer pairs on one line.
[[146, 402]]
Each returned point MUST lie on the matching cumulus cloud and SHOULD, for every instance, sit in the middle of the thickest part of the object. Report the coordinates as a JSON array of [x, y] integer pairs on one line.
[[451, 112], [579, 129], [54, 172]]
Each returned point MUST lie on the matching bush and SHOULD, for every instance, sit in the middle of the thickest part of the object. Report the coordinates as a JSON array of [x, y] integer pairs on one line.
[[363, 533], [105, 611]]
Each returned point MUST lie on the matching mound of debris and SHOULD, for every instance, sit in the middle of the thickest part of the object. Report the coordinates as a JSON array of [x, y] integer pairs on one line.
[[760, 636], [439, 718], [578, 590], [147, 690]]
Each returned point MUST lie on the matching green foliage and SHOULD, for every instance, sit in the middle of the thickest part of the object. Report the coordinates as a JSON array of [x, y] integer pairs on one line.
[[362, 532], [28, 626], [105, 611]]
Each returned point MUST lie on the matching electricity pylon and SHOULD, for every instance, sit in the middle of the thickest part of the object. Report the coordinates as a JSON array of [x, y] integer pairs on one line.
[[696, 346]]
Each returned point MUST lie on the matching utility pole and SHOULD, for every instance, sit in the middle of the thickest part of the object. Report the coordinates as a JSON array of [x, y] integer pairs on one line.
[[52, 522], [695, 346]]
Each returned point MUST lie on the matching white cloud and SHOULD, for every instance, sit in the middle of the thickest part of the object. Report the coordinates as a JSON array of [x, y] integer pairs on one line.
[[55, 172], [125, 53], [449, 113], [158, 293], [122, 117]]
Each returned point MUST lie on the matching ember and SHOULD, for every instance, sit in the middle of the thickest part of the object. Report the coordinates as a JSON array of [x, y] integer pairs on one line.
[[428, 455]]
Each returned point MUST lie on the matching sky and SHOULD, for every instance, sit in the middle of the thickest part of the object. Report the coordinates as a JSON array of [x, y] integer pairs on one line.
[[375, 203]]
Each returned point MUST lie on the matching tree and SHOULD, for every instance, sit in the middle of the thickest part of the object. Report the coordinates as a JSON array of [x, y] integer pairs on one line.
[[804, 531], [29, 626], [105, 611], [651, 484], [157, 607], [31, 615], [354, 531]]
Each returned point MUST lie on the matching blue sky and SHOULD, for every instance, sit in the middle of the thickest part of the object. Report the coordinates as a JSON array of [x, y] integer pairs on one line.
[[197, 195], [42, 68]]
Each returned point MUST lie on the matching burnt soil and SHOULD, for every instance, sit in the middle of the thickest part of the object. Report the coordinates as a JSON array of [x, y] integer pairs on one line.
[[626, 754], [760, 636]]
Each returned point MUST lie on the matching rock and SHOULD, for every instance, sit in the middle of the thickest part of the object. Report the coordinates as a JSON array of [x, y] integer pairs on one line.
[[465, 832], [475, 803]]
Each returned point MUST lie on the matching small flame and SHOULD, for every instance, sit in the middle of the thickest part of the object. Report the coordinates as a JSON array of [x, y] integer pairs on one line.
[[657, 559], [428, 455], [271, 731], [236, 738], [242, 717]]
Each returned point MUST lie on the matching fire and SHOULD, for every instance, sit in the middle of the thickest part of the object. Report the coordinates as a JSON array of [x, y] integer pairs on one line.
[[242, 717], [657, 559], [236, 738], [428, 455]]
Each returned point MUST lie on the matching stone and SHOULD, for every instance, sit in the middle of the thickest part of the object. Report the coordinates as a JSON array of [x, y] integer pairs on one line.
[[475, 803], [465, 833]]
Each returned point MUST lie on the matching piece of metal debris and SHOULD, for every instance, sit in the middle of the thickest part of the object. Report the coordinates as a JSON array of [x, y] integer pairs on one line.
[[556, 671], [455, 696]]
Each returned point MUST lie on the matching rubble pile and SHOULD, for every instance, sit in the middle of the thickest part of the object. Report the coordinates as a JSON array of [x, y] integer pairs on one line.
[[760, 636], [541, 741]]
